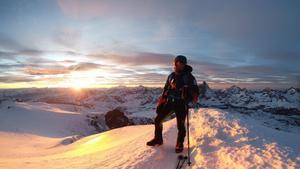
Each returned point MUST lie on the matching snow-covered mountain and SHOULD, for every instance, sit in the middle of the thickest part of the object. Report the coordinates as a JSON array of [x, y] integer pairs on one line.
[[266, 99], [219, 139], [133, 100], [94, 102], [278, 109], [130, 100], [138, 103], [59, 128]]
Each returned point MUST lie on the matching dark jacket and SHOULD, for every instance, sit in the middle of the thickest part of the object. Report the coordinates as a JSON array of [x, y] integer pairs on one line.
[[182, 85]]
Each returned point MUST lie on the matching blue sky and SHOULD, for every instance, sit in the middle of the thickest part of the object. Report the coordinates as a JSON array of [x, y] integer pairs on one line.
[[89, 43]]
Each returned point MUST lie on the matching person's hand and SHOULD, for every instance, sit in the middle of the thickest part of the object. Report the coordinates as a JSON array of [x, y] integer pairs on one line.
[[194, 103], [161, 100], [195, 98]]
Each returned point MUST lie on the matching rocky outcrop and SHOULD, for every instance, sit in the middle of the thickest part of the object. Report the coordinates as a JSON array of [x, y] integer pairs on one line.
[[116, 118]]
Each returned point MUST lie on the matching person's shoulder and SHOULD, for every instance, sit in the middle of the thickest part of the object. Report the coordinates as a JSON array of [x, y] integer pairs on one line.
[[189, 74], [171, 74], [191, 77]]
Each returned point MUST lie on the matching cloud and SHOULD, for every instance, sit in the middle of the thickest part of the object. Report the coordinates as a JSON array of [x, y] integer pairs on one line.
[[261, 31], [67, 37], [14, 79], [7, 55], [62, 70], [81, 9], [137, 58], [30, 52], [209, 71], [24, 55], [11, 48], [8, 43], [256, 74], [254, 30], [6, 67], [84, 66], [150, 79], [46, 71], [232, 42], [34, 58]]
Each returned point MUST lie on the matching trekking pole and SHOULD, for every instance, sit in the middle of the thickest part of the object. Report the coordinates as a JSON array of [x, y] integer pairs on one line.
[[188, 136], [188, 125]]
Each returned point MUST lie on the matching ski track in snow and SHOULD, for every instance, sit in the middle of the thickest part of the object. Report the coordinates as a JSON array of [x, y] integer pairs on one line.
[[219, 139]]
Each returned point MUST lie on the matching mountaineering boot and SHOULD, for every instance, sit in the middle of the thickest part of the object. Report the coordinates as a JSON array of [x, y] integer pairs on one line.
[[179, 147], [154, 142]]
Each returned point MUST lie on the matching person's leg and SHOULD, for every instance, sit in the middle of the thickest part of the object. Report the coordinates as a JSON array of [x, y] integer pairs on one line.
[[181, 113], [162, 112]]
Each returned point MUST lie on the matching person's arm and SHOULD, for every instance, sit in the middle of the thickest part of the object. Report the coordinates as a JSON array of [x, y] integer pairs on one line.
[[194, 88], [166, 88], [163, 98]]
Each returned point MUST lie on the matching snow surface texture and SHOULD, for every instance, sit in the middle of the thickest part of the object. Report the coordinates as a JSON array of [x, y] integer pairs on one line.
[[43, 119], [50, 128], [219, 139]]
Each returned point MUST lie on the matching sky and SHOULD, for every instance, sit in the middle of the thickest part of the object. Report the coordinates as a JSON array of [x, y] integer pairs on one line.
[[105, 43]]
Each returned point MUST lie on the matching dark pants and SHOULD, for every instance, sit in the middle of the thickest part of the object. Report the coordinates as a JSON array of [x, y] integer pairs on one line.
[[180, 108]]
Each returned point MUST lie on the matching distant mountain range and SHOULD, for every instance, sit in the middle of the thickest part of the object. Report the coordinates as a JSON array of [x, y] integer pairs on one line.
[[134, 99], [285, 101], [138, 104]]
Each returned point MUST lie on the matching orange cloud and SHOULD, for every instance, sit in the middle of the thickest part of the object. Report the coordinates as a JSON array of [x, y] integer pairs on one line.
[[47, 71], [138, 58], [62, 70], [79, 9]]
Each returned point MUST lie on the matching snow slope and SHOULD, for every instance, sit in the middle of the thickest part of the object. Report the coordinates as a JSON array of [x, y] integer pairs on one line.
[[219, 139], [38, 118]]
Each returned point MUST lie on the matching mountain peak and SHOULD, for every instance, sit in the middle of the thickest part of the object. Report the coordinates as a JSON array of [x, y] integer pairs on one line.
[[291, 90], [234, 89], [205, 85]]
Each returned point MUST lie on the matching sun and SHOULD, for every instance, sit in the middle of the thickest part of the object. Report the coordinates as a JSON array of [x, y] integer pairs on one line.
[[88, 79], [77, 88], [79, 84], [80, 80]]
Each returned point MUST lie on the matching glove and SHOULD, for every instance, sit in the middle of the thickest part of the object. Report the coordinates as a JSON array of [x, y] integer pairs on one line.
[[195, 98], [161, 100]]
